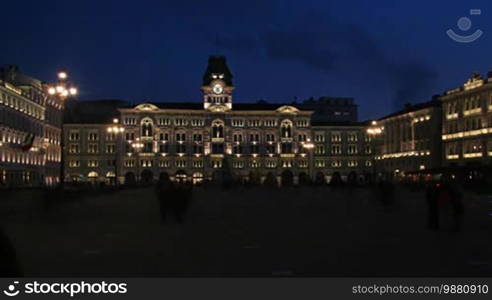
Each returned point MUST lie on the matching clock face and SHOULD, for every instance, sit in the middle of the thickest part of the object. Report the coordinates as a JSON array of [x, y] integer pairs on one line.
[[218, 89]]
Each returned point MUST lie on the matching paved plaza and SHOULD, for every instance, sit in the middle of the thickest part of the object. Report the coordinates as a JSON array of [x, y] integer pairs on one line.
[[246, 232]]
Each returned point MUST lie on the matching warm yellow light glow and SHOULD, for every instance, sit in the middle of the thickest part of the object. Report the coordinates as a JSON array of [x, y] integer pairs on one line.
[[472, 111], [137, 145], [59, 88], [374, 131], [452, 116], [403, 154], [62, 75], [473, 155], [466, 133], [51, 91], [115, 120], [73, 91]]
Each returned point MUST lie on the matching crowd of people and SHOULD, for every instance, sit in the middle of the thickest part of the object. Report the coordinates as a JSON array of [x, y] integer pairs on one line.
[[445, 205]]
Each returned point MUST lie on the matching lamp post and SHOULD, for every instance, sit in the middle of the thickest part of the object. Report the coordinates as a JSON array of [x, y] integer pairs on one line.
[[309, 146], [118, 131], [137, 147], [374, 131], [62, 90]]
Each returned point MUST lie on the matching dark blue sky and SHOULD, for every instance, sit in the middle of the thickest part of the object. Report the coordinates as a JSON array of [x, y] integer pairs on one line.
[[382, 53]]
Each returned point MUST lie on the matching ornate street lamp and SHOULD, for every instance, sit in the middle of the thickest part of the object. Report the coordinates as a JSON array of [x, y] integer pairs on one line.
[[137, 146], [374, 131], [62, 90], [118, 132], [309, 146]]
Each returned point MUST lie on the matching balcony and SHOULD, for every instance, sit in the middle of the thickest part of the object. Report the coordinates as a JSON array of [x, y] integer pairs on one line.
[[473, 155], [462, 134], [471, 112], [452, 116], [217, 140]]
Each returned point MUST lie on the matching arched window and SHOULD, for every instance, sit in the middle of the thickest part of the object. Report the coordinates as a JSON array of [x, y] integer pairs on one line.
[[217, 129], [286, 129], [147, 127]]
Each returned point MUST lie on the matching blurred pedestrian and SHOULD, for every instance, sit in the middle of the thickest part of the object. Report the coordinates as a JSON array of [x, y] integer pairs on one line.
[[181, 200], [431, 195], [387, 194], [165, 193], [450, 203], [456, 203]]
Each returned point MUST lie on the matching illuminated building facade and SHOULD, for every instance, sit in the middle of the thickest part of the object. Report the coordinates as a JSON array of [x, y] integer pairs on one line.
[[210, 139], [111, 140], [407, 141], [30, 125], [467, 124], [344, 148]]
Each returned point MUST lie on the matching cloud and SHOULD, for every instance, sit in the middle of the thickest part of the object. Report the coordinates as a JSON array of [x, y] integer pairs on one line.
[[409, 81], [327, 45]]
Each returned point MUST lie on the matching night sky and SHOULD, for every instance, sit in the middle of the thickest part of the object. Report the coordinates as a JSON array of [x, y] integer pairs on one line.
[[382, 53]]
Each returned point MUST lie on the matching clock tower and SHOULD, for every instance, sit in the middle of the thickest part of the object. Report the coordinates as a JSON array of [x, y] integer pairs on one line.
[[217, 85]]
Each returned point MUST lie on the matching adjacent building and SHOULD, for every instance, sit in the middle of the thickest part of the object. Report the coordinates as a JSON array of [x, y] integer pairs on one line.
[[30, 126], [343, 148], [467, 126], [407, 141], [331, 109]]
